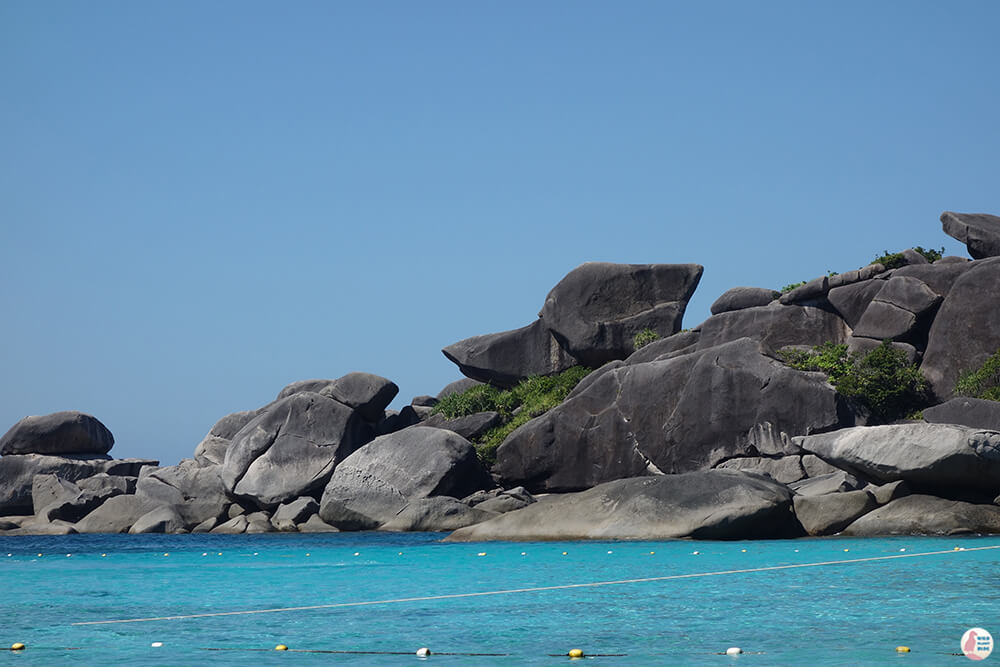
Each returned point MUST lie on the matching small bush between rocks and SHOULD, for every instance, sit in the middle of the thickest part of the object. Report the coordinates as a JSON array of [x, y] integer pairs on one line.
[[789, 287], [983, 382], [882, 380], [517, 405], [644, 338]]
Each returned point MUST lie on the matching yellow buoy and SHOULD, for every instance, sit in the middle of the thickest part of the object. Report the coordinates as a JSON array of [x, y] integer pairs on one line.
[[575, 653], [902, 649], [17, 647], [280, 647]]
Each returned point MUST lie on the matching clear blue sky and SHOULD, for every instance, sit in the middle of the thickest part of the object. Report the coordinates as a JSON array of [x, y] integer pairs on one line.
[[201, 202]]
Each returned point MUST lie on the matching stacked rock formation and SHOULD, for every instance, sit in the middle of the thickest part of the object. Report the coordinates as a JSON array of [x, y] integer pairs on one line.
[[704, 433]]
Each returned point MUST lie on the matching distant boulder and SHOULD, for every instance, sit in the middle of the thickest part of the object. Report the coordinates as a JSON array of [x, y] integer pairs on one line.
[[941, 458], [927, 515], [367, 393], [713, 505], [290, 449], [372, 485], [980, 232], [596, 310], [59, 433], [738, 298], [504, 359]]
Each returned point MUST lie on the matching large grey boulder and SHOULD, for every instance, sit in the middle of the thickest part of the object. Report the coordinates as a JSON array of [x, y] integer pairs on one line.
[[966, 330], [291, 449], [599, 307], [714, 504], [160, 520], [900, 307], [851, 301], [372, 485], [59, 433], [940, 276], [212, 449], [834, 482], [57, 499], [943, 458], [436, 514], [775, 326], [291, 514], [504, 359], [927, 515], [974, 412], [17, 473], [367, 393], [235, 526], [195, 492], [738, 298], [116, 515], [980, 232], [830, 513], [676, 415]]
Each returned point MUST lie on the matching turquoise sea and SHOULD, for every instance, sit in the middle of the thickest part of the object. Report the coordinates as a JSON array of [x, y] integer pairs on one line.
[[835, 614]]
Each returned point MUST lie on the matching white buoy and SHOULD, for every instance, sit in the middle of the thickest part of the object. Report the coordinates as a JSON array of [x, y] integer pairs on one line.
[[156, 644], [734, 650], [423, 652]]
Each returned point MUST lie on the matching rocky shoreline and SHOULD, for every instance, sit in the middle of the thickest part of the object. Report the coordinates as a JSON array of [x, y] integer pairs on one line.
[[717, 432]]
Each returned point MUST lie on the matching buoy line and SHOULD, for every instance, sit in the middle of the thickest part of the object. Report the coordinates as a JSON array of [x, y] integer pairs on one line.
[[534, 589]]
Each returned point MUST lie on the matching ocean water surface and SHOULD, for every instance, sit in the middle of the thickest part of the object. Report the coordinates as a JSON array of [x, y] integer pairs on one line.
[[852, 613]]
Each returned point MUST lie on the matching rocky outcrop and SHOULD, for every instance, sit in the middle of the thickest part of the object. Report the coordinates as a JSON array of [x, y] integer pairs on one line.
[[57, 434], [898, 311], [830, 513], [980, 232], [941, 458], [927, 515], [599, 307], [504, 359], [291, 448], [966, 330], [370, 487], [17, 473], [436, 514], [196, 493], [677, 415], [715, 504], [212, 449], [116, 515]]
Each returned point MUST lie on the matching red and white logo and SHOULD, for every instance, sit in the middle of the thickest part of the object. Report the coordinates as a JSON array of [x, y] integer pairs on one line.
[[977, 644]]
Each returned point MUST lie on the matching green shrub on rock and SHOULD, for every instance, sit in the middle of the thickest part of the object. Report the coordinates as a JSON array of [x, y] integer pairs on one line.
[[517, 405], [788, 288], [890, 260], [644, 338], [883, 380], [983, 382]]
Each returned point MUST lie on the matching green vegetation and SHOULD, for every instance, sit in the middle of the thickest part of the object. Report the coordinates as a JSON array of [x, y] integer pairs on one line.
[[644, 338], [983, 382], [791, 286], [882, 380], [895, 260], [516, 406]]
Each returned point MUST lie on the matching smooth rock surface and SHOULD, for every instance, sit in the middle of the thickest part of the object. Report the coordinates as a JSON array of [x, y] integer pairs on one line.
[[159, 520], [714, 504], [966, 330], [677, 415], [785, 469], [439, 513], [372, 485], [775, 326], [936, 457], [506, 358], [835, 482], [196, 493], [972, 412], [116, 515], [291, 514], [470, 427], [927, 515], [369, 394], [830, 513], [291, 449]]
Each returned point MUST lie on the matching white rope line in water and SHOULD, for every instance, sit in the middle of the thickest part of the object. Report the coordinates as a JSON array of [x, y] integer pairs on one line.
[[535, 589]]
